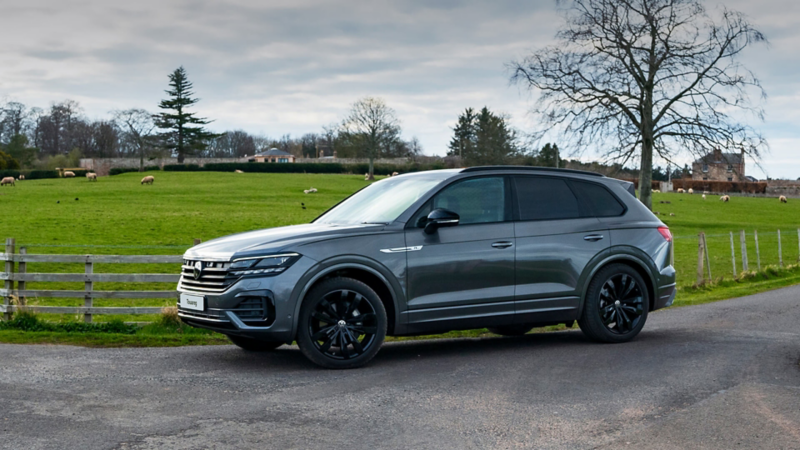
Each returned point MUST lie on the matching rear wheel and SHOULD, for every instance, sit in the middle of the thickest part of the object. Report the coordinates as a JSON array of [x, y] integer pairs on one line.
[[616, 305], [511, 330], [342, 324], [254, 345]]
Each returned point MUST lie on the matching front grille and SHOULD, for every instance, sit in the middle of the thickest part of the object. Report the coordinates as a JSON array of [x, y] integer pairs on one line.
[[214, 278]]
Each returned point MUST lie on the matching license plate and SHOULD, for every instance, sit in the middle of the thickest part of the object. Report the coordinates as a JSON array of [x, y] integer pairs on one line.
[[194, 302]]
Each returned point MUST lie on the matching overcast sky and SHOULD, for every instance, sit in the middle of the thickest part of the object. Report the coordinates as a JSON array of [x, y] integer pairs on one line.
[[291, 66]]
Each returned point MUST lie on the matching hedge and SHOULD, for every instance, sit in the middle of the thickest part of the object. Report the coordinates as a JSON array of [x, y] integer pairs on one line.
[[29, 174], [119, 170], [253, 167]]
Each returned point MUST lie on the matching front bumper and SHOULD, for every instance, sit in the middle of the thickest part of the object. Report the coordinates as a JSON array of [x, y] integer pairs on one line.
[[261, 308]]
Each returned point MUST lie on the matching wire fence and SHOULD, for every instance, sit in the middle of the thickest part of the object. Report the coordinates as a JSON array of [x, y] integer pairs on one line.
[[727, 255]]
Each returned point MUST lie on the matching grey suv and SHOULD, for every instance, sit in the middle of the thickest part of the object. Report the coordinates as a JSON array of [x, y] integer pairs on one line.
[[508, 248]]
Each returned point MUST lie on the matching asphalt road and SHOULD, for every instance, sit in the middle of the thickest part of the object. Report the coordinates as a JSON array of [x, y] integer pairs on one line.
[[718, 376]]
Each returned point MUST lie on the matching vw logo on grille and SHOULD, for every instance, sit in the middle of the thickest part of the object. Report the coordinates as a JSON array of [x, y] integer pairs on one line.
[[198, 270]]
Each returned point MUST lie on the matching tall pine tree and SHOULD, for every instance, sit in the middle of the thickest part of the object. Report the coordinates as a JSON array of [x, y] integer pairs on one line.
[[181, 137], [483, 138]]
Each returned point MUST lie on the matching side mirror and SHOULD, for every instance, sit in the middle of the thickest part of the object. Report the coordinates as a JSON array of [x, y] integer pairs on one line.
[[440, 218]]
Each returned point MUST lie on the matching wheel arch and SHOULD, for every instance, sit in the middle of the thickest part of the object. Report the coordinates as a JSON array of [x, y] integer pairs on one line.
[[375, 277], [635, 262]]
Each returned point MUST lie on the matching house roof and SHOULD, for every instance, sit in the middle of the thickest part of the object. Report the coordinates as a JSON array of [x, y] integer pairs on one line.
[[719, 158], [274, 152]]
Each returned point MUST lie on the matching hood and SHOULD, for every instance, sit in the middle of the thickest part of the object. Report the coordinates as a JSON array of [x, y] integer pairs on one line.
[[262, 242]]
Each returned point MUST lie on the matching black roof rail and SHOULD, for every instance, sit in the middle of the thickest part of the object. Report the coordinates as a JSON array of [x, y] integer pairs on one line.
[[533, 168]]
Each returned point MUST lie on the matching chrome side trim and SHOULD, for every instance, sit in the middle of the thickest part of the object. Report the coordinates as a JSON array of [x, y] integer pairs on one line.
[[415, 248]]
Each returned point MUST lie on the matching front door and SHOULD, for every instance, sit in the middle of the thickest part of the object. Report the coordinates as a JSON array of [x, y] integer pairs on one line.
[[463, 276]]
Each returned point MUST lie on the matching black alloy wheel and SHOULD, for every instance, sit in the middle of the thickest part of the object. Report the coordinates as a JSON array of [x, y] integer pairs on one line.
[[342, 324], [621, 306], [616, 305]]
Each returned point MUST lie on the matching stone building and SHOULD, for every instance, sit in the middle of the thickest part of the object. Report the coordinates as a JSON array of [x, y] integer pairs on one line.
[[274, 155], [719, 166]]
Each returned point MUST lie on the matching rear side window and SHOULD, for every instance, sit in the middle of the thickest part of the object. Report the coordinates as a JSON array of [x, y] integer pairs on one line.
[[478, 200], [545, 198], [597, 198]]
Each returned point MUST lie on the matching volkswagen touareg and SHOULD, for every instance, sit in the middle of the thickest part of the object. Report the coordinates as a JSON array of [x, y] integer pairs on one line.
[[507, 248]]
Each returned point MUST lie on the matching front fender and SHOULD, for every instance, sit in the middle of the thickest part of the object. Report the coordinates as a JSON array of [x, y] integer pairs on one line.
[[326, 267]]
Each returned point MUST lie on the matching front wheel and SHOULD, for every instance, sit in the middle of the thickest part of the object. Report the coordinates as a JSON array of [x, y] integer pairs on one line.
[[616, 305], [342, 324], [254, 345]]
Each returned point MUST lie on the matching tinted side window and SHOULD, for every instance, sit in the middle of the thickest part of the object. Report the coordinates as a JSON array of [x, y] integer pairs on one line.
[[478, 200], [545, 198], [596, 197]]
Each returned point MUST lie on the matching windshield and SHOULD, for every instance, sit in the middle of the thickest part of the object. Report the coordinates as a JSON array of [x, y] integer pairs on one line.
[[383, 201]]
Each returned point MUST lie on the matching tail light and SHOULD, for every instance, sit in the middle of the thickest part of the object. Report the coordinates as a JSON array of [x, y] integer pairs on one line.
[[666, 233]]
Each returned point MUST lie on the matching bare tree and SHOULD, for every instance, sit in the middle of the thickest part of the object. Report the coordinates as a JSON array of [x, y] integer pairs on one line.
[[138, 128], [644, 76], [13, 120], [372, 128]]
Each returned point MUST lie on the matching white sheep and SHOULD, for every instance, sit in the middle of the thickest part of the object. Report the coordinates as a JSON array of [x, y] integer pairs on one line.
[[394, 174], [237, 171], [725, 198], [22, 177], [704, 196], [310, 191], [366, 177], [148, 179], [782, 198], [690, 191], [91, 176], [7, 180], [681, 191], [656, 191], [69, 174]]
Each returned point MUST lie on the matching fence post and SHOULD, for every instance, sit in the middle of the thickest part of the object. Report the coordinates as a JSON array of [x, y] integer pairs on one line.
[[9, 284], [758, 253], [733, 256], [22, 267], [780, 252], [700, 253], [708, 259], [798, 244], [743, 242], [88, 287]]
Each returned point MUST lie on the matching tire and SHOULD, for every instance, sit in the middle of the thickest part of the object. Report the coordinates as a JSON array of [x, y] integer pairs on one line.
[[616, 292], [254, 345], [341, 310], [511, 330]]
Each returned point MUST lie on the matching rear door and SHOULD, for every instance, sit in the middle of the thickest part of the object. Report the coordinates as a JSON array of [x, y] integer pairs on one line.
[[556, 236], [463, 276]]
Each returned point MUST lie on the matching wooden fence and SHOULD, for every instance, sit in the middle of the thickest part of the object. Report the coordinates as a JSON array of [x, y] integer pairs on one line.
[[16, 271]]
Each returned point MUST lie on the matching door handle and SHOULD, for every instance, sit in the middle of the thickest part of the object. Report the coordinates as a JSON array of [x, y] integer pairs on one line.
[[502, 244], [593, 237]]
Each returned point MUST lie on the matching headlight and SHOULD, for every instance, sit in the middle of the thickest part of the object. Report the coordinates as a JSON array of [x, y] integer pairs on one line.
[[266, 265]]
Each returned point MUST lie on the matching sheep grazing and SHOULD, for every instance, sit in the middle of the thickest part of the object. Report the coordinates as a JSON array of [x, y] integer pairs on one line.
[[656, 191], [725, 198], [310, 191], [69, 174], [22, 177], [148, 179], [681, 191], [91, 176], [237, 171], [394, 174], [672, 214], [366, 177], [704, 196], [782, 198], [7, 180], [690, 191]]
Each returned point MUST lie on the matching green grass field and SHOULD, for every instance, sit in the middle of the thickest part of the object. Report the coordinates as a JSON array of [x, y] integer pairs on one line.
[[117, 215]]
